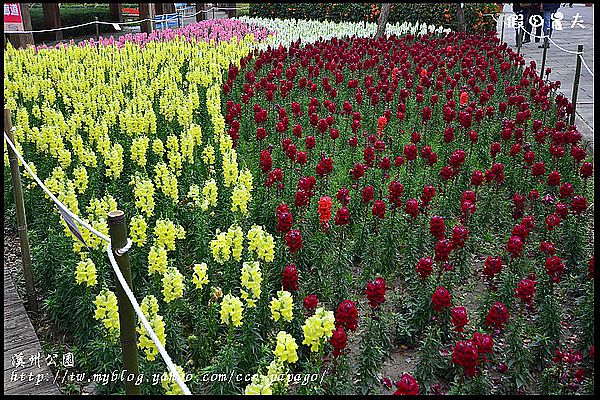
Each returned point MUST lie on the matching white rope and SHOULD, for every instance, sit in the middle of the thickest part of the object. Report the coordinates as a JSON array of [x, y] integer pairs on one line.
[[565, 50], [144, 321], [113, 262], [586, 66], [123, 23], [58, 203]]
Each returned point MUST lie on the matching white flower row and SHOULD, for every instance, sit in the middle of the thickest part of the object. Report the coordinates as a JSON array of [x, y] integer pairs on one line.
[[287, 31]]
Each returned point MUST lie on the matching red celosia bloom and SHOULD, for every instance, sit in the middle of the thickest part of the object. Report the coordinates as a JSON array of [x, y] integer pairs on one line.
[[395, 193], [367, 194], [525, 290], [284, 218], [579, 204], [310, 302], [407, 385], [379, 209], [289, 278], [437, 227], [412, 208], [346, 315], [493, 266], [515, 246], [325, 166], [339, 341], [324, 209], [266, 163], [293, 240], [376, 292], [555, 268], [459, 318], [459, 236], [552, 221], [342, 216], [424, 267], [497, 316], [466, 355], [442, 250], [440, 298]]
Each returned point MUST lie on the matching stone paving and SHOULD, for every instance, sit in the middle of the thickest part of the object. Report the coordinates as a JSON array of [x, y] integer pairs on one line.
[[563, 64]]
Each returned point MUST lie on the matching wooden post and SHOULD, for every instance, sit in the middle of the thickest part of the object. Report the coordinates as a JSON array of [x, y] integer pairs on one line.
[[576, 82], [460, 18], [116, 12], [52, 19], [200, 16], [118, 239], [545, 52], [97, 30], [145, 26], [21, 218], [502, 34], [519, 40]]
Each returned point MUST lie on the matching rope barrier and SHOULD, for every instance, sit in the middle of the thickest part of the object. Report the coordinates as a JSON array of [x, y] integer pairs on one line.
[[113, 262], [124, 23], [586, 66]]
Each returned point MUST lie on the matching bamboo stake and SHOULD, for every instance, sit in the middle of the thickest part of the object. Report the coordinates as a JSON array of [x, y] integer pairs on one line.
[[544, 53], [21, 217], [118, 240]]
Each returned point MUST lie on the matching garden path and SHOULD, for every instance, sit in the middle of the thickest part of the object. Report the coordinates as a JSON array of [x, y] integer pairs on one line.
[[20, 340]]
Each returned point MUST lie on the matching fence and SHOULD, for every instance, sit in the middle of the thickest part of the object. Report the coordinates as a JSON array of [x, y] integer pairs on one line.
[[114, 218]]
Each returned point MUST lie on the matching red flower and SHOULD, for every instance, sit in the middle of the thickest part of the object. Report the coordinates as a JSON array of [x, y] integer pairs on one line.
[[293, 240], [579, 204], [289, 278], [379, 209], [284, 218], [412, 208], [424, 267], [555, 268], [324, 209], [566, 190], [427, 194], [266, 163], [525, 290], [591, 268], [459, 318], [342, 216], [539, 168], [395, 193], [497, 316], [325, 166], [410, 151], [339, 341], [346, 315], [466, 355], [547, 247], [586, 170], [476, 178], [484, 343], [464, 98], [493, 266], [343, 196], [367, 194], [376, 292], [358, 171], [440, 298], [407, 385], [459, 236], [310, 142], [437, 227], [310, 302], [554, 178], [457, 158], [515, 246], [442, 250], [552, 221]]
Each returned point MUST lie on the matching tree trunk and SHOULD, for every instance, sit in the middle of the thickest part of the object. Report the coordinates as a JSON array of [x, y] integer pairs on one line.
[[383, 19], [460, 19], [52, 20]]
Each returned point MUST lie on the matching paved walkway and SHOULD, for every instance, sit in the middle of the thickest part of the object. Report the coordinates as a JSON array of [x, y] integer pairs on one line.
[[24, 373], [563, 64]]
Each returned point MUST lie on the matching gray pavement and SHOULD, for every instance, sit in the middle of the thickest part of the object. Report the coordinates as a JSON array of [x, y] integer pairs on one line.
[[563, 64]]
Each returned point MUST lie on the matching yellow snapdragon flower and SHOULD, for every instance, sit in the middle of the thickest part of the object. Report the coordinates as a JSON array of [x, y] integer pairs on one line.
[[200, 277], [107, 310], [157, 260], [172, 284], [137, 230], [262, 243], [149, 307], [86, 272], [231, 310], [318, 328], [251, 280], [286, 348], [282, 305]]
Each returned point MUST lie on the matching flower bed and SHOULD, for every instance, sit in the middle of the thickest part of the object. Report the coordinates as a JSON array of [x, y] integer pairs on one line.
[[309, 209]]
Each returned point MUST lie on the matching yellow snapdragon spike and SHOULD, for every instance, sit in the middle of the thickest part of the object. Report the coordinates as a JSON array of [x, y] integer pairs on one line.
[[318, 328], [286, 348], [231, 310], [282, 306]]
